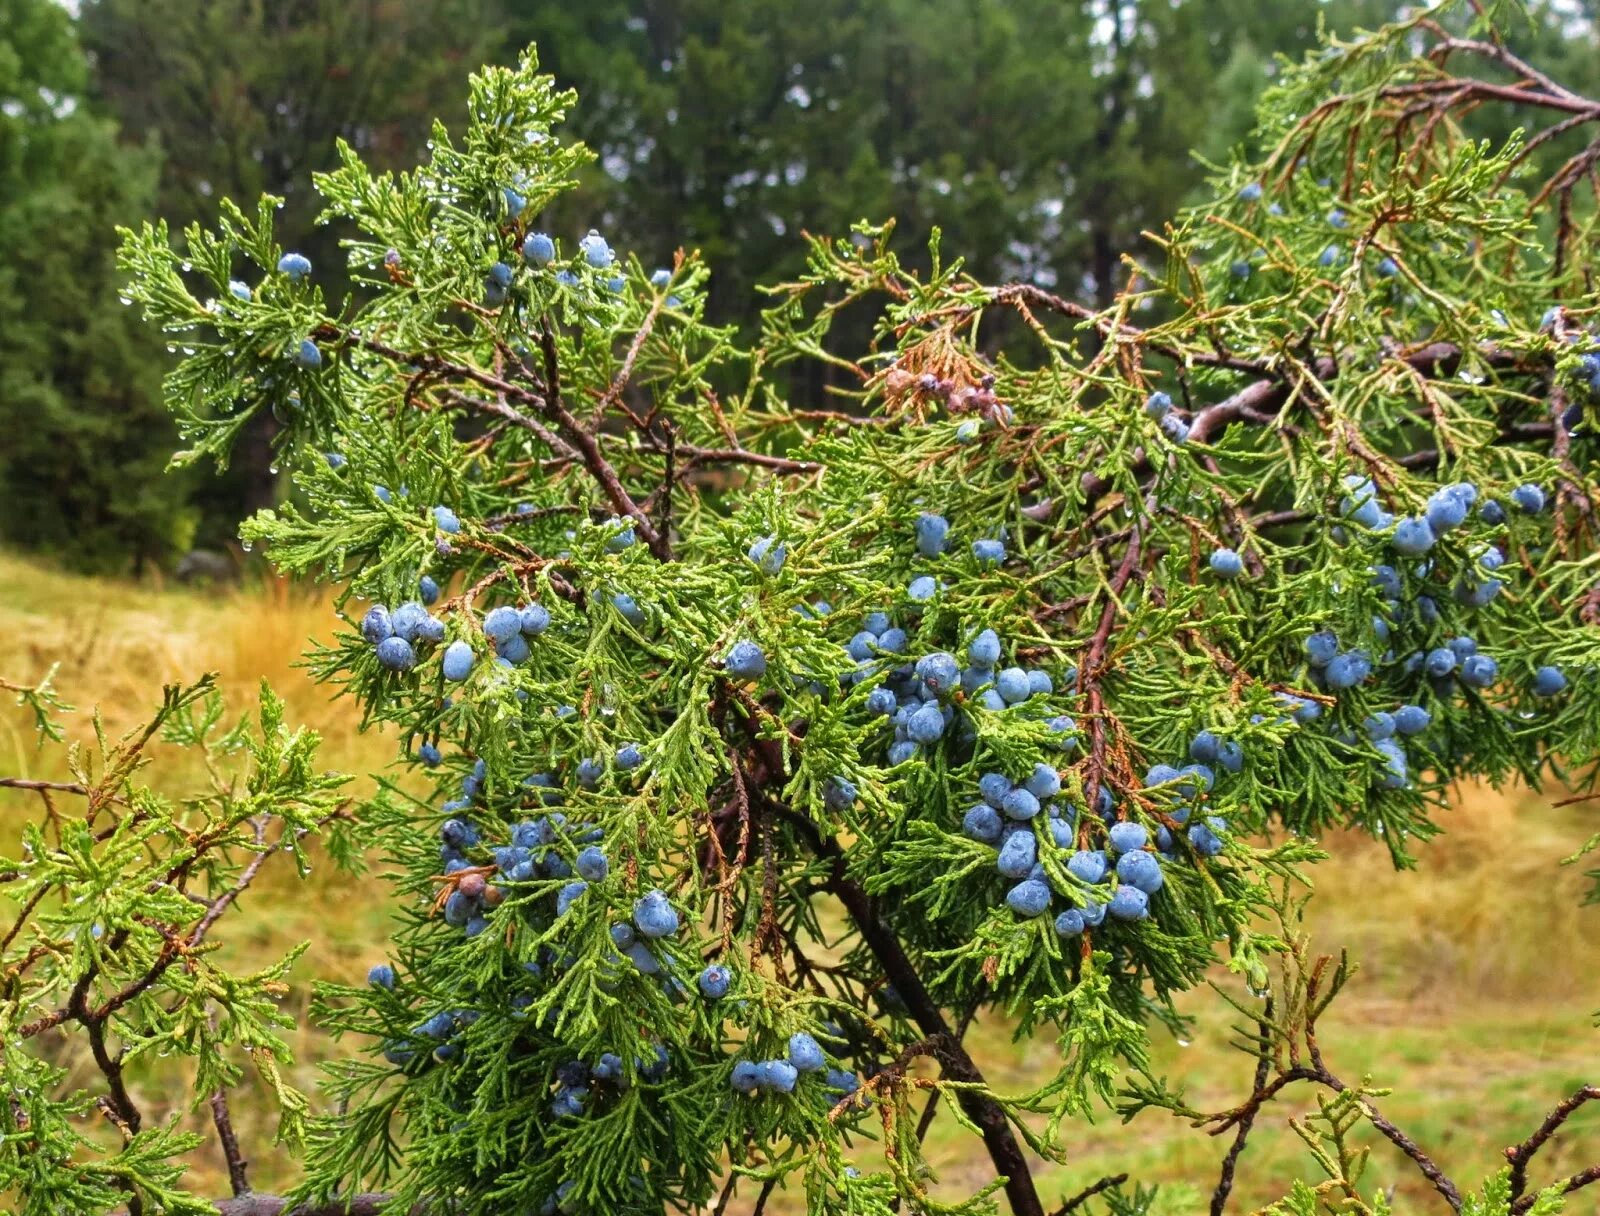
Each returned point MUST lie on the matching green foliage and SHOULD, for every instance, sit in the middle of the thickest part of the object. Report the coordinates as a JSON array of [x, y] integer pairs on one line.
[[80, 398], [113, 906], [41, 701], [1043, 138], [245, 99], [556, 438], [1497, 1197], [766, 121]]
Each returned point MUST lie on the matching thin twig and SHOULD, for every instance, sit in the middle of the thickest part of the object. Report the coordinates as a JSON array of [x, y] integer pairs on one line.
[[234, 1155], [1089, 1192], [1520, 1154], [27, 783], [1219, 1197]]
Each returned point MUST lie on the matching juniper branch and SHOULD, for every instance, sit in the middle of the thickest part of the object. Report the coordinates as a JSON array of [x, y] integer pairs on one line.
[[570, 430], [1001, 1144], [1574, 1182], [1316, 1071]]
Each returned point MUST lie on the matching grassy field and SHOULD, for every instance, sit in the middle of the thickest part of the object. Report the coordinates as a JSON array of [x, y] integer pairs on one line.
[[1474, 1002]]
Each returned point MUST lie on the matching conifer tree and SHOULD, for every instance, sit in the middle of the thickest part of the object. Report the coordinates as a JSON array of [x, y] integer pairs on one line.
[[769, 742]]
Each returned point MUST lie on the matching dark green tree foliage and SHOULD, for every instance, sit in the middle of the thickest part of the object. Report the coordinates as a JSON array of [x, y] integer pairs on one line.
[[714, 724], [246, 98], [86, 434], [1042, 138]]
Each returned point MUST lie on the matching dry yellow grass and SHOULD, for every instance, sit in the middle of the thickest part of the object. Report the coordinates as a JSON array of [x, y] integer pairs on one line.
[[117, 642], [1474, 1000]]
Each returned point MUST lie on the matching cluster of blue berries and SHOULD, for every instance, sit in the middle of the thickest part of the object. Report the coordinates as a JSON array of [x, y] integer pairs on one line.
[[769, 555], [592, 769], [442, 1029], [508, 629], [933, 538], [397, 636], [1008, 815], [1446, 510], [1455, 662], [539, 252], [534, 849], [1211, 758], [917, 697], [575, 1077], [538, 848], [778, 1075], [468, 904], [781, 1074], [1136, 870], [1006, 819], [304, 354], [1158, 405]]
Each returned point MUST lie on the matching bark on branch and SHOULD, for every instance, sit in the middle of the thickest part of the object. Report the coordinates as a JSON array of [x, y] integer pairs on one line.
[[998, 1138]]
